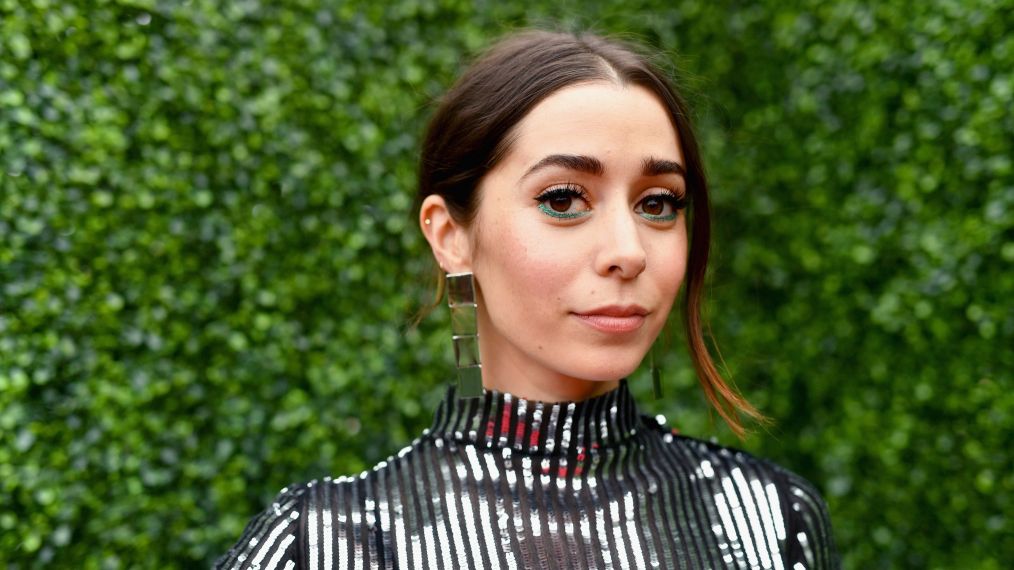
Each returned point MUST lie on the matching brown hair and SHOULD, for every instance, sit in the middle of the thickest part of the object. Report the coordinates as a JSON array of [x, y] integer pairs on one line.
[[472, 130]]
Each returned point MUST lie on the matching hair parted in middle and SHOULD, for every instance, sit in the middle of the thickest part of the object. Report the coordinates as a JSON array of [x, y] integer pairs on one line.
[[473, 129]]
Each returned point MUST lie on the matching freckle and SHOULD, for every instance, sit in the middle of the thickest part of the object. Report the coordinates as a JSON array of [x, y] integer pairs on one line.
[[540, 347], [593, 291]]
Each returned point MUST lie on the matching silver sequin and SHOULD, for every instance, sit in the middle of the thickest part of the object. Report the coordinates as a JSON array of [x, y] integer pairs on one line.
[[501, 482]]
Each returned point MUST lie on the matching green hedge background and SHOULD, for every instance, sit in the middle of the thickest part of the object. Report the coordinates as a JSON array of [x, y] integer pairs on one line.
[[208, 258]]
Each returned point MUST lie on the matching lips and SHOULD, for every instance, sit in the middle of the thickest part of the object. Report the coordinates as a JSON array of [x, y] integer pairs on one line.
[[614, 318]]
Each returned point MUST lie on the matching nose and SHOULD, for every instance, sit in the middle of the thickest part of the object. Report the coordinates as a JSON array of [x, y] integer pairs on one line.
[[622, 252]]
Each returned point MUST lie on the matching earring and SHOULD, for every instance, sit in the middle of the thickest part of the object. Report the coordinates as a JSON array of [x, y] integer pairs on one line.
[[656, 374], [465, 333]]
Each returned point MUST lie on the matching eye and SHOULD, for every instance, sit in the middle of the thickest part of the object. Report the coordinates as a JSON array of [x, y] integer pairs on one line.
[[564, 202], [661, 207]]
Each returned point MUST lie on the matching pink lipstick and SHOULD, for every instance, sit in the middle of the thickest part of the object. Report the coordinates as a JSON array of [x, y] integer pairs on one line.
[[614, 318]]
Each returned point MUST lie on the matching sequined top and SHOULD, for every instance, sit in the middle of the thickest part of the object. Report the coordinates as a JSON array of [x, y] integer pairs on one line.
[[503, 482]]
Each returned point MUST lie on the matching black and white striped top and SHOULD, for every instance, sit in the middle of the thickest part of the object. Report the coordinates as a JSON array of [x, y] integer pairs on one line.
[[502, 482]]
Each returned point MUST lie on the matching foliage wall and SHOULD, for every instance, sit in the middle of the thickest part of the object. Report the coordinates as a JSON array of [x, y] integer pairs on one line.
[[208, 261]]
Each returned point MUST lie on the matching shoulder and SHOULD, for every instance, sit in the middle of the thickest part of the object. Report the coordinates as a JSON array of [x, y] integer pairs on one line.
[[740, 480], [715, 460], [732, 461], [271, 537], [292, 528]]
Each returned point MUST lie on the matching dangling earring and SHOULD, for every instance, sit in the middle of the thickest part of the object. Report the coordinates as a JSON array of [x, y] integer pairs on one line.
[[465, 333], [656, 374]]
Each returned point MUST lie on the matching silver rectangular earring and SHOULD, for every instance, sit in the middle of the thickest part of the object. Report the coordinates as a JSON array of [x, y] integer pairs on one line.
[[465, 333]]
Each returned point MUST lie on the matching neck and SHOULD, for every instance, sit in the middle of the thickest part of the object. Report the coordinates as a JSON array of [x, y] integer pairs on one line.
[[504, 372]]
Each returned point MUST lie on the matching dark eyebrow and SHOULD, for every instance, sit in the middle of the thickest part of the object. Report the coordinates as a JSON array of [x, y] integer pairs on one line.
[[651, 166], [581, 163], [657, 166]]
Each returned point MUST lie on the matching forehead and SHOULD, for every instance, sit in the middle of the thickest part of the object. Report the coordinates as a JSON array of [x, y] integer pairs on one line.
[[611, 122]]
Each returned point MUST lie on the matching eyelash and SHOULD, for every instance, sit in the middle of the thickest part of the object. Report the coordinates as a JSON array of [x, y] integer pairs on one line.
[[676, 200], [566, 191]]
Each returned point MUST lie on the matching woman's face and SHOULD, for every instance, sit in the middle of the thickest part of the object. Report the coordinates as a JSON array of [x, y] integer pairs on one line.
[[579, 245]]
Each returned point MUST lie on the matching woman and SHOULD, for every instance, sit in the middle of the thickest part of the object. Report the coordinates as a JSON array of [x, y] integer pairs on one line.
[[562, 190]]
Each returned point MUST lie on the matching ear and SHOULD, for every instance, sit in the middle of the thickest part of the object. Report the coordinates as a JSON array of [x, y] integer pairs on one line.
[[448, 239]]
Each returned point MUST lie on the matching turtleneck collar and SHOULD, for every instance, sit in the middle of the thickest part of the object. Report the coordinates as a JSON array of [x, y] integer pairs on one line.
[[501, 420]]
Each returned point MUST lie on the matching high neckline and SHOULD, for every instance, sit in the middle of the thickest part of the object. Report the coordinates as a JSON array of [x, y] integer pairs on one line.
[[501, 420]]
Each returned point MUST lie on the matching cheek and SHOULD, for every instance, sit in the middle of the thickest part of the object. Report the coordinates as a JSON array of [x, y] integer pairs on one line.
[[667, 263], [523, 268]]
